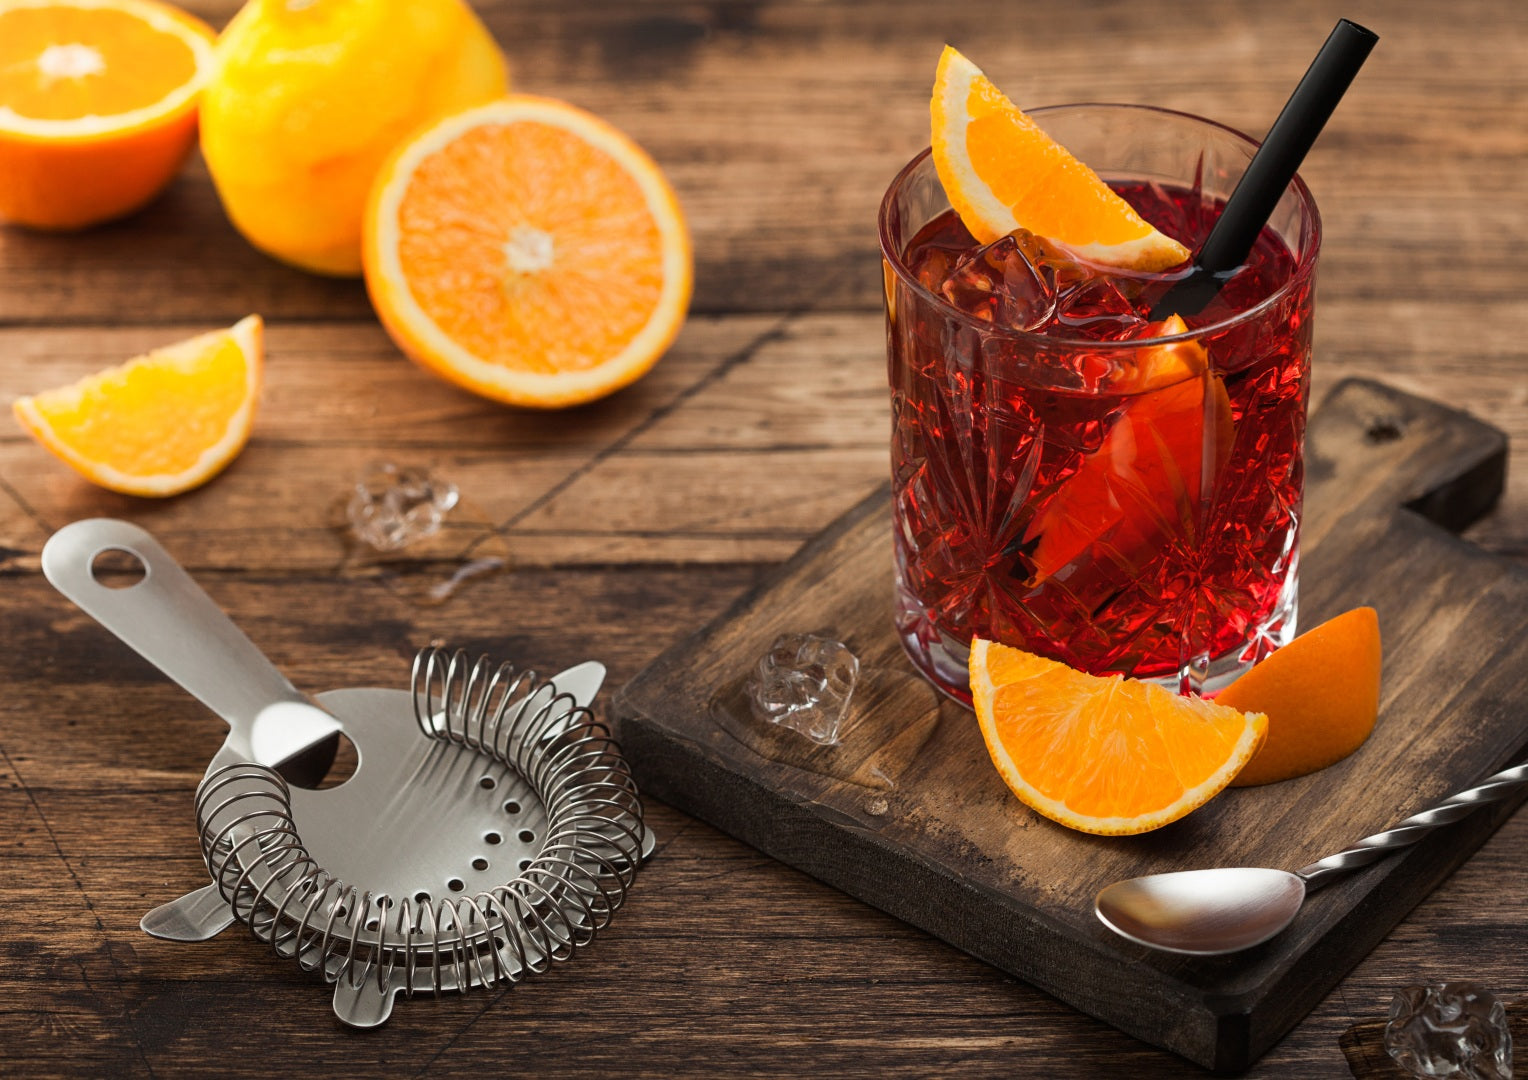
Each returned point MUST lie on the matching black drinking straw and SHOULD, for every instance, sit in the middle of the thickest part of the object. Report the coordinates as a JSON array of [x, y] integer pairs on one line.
[[1271, 169]]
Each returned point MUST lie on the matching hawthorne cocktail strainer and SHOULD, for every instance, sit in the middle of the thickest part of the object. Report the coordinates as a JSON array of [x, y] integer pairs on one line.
[[490, 828]]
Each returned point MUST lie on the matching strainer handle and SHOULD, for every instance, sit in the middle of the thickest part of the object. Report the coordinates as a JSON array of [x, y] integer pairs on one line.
[[169, 621]]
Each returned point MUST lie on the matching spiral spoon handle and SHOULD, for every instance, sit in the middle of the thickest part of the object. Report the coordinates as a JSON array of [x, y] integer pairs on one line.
[[1405, 833]]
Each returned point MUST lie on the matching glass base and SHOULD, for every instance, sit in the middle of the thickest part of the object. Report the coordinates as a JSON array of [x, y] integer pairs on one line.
[[945, 661]]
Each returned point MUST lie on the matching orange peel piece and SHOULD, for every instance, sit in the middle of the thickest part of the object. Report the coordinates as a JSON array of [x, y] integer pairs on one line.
[[1321, 694]]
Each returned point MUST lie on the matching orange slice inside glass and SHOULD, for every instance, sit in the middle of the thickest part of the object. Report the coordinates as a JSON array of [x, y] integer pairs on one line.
[[1152, 475]]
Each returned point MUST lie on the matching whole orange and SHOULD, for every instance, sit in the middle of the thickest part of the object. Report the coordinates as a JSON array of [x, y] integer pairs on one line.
[[310, 97]]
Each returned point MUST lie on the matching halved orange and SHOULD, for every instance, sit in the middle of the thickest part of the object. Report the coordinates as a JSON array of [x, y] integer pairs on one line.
[[97, 106], [159, 424], [1321, 694], [1105, 755], [1001, 173], [528, 251]]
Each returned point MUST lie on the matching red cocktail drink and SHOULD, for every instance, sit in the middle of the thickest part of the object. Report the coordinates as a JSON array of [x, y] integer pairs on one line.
[[1069, 476]]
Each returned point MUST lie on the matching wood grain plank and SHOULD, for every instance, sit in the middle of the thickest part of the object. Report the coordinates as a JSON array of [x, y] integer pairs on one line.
[[848, 983], [98, 723], [746, 439]]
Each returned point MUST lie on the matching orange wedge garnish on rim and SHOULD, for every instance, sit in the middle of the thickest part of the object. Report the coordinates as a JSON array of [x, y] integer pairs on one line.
[[528, 251], [97, 105], [1001, 173], [159, 424], [1105, 755]]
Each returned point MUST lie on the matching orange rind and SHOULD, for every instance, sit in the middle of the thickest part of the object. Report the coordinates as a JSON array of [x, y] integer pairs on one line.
[[1001, 172], [98, 104]]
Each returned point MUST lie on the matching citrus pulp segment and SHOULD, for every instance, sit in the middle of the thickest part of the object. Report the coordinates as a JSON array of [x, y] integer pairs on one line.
[[159, 424], [1104, 755], [98, 106], [1001, 173], [528, 251]]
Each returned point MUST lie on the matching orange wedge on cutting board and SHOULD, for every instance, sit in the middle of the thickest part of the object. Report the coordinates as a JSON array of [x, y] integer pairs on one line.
[[160, 424], [528, 251], [1001, 173], [97, 106], [1321, 694], [1105, 755]]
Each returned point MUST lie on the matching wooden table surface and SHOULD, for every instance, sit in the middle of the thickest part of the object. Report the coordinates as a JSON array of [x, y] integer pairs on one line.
[[629, 522]]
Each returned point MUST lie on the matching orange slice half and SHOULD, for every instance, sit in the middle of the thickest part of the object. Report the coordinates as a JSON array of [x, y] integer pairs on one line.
[[97, 105], [1001, 173], [1104, 755], [528, 251], [159, 424]]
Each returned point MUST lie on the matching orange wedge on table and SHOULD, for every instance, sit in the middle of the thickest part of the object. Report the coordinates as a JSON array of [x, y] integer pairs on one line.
[[160, 424], [528, 251], [1104, 755], [1001, 172], [97, 106]]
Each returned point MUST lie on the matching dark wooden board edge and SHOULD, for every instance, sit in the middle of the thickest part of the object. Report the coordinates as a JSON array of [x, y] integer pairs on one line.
[[1223, 1032], [1477, 475], [1244, 1023]]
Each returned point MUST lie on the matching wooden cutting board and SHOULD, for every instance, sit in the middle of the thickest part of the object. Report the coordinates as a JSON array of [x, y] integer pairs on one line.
[[908, 814]]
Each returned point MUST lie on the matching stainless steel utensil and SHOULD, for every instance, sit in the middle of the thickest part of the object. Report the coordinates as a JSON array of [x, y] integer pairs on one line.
[[491, 825], [1213, 912]]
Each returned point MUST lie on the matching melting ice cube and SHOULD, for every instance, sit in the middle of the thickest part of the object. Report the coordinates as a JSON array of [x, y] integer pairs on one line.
[[395, 505], [1099, 310], [1452, 1029], [999, 284], [804, 683]]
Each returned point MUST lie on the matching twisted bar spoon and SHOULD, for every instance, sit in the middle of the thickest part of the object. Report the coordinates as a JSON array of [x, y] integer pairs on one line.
[[1213, 912]]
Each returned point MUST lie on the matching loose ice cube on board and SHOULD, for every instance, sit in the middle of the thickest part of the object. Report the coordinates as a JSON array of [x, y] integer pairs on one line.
[[1446, 1030], [804, 683], [396, 505]]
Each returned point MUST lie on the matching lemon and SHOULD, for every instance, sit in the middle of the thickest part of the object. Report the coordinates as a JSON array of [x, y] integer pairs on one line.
[[310, 96]]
